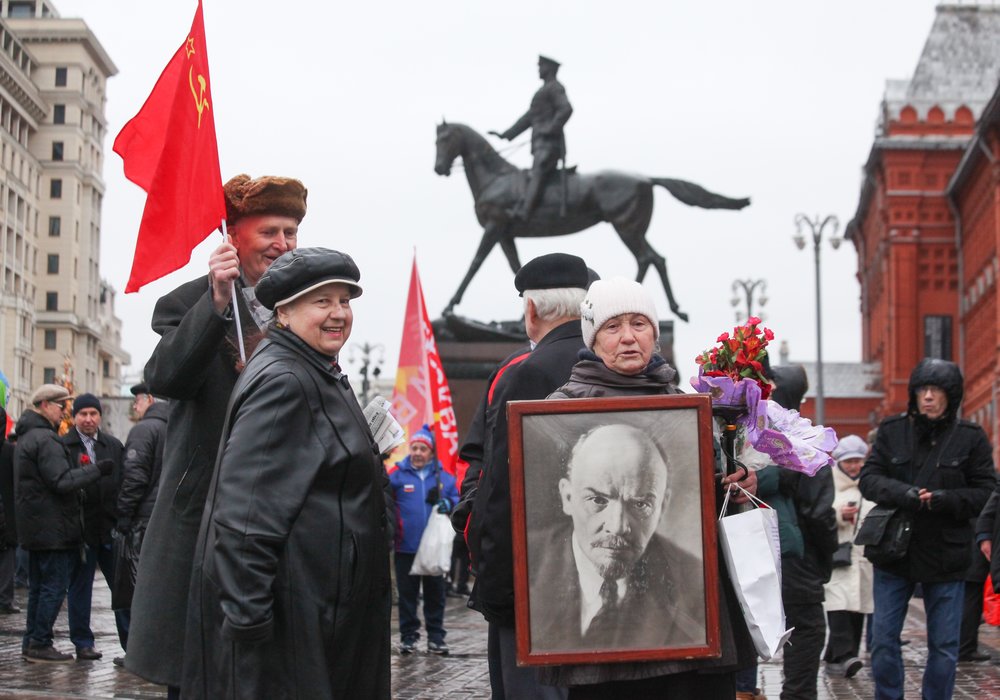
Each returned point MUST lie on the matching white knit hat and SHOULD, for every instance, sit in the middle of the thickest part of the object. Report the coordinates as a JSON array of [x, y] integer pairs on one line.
[[612, 297], [850, 447]]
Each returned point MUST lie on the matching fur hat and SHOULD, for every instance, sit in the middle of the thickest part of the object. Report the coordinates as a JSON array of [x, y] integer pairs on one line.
[[613, 297], [424, 435], [277, 196], [850, 447], [50, 392], [87, 401]]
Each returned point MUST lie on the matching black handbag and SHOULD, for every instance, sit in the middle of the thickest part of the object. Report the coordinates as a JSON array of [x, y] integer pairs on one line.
[[885, 534], [842, 557]]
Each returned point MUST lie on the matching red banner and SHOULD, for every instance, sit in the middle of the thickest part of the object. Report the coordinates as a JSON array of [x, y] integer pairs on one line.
[[169, 149], [421, 394]]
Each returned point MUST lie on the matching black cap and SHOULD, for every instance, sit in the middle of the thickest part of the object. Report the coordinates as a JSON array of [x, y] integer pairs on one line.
[[552, 271], [302, 270], [86, 401], [140, 388]]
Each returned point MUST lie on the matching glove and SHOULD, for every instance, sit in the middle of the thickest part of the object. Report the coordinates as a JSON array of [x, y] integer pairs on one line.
[[911, 500], [106, 466], [433, 496], [443, 506], [939, 500]]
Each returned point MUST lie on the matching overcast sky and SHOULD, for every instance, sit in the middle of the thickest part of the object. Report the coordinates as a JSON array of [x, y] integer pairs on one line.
[[777, 101]]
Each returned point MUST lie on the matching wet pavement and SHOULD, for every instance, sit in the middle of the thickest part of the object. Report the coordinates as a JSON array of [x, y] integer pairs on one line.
[[421, 676]]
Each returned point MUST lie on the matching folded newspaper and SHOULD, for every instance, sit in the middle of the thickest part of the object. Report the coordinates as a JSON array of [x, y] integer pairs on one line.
[[386, 431]]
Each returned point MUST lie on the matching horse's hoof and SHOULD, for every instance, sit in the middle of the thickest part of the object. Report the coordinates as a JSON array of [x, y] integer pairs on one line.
[[681, 315]]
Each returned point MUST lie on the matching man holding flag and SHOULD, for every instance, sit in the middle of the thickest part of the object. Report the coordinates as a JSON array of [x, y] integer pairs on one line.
[[196, 363]]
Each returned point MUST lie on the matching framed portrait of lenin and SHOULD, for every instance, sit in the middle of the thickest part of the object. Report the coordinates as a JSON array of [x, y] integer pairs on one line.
[[614, 529]]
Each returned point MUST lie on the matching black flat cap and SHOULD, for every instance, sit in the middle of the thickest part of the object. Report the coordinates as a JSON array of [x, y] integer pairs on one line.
[[140, 388], [302, 270], [552, 271]]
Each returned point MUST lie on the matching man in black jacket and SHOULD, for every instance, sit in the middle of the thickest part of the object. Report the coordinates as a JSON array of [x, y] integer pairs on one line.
[[88, 444], [552, 286], [49, 522], [939, 469], [196, 364], [8, 524], [143, 460]]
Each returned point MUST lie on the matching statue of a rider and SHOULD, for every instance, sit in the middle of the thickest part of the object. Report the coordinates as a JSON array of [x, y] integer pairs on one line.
[[547, 115]]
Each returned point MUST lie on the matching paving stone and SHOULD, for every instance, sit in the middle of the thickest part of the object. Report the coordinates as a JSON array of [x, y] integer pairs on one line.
[[463, 675]]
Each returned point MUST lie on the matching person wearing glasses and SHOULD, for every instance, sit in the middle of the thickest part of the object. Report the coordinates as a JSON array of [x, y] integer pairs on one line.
[[49, 521]]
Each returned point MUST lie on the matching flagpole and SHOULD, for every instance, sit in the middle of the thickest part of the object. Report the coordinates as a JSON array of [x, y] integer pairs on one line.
[[236, 308]]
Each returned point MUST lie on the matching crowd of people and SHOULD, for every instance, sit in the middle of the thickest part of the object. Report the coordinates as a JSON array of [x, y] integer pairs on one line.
[[265, 517]]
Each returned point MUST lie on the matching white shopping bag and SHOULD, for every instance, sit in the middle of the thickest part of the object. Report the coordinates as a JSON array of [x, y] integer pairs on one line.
[[752, 551], [434, 553]]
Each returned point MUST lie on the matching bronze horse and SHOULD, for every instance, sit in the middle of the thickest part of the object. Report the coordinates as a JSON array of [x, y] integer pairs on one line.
[[623, 200]]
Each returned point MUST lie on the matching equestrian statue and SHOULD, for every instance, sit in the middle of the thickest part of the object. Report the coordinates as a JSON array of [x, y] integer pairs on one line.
[[548, 201]]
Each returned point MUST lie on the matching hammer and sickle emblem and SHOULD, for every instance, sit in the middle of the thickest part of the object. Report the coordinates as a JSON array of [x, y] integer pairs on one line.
[[200, 101]]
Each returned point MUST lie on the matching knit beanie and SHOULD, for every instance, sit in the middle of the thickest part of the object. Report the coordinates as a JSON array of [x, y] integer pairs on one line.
[[850, 447], [424, 435], [611, 297], [86, 401]]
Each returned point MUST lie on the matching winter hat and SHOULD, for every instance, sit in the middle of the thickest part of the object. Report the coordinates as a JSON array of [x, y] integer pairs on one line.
[[277, 196], [50, 392], [424, 435], [86, 401], [850, 447], [552, 271], [612, 297], [302, 270]]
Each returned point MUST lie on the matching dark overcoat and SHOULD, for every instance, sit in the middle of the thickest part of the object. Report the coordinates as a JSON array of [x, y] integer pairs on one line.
[[290, 591], [100, 510], [143, 464], [196, 364], [47, 486], [488, 532]]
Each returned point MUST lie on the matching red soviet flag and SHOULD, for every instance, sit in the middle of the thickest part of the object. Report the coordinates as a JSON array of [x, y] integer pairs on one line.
[[170, 151], [421, 394]]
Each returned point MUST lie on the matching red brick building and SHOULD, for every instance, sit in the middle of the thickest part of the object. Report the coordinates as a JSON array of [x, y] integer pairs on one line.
[[915, 259]]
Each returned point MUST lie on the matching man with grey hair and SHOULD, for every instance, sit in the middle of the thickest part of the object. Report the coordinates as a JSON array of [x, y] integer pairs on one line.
[[608, 579], [552, 287]]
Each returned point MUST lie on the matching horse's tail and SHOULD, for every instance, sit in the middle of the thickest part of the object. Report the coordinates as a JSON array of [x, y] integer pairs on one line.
[[697, 196]]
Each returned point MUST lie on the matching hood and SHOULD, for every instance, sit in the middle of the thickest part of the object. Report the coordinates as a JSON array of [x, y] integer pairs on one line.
[[941, 373], [158, 411], [790, 386], [32, 420]]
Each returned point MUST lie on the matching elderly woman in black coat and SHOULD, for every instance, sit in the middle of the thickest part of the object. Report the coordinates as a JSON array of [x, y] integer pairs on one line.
[[290, 589], [620, 331]]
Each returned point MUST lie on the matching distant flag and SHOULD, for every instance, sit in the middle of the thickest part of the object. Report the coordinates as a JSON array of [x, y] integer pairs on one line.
[[169, 149], [421, 394], [4, 397]]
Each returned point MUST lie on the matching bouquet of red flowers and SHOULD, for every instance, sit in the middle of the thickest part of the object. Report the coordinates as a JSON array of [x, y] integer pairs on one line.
[[739, 356]]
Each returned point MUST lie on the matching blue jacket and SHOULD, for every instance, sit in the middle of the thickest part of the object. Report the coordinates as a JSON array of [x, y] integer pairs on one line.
[[412, 508]]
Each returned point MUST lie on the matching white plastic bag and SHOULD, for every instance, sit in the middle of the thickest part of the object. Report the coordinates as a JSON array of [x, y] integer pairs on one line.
[[434, 553], [752, 551]]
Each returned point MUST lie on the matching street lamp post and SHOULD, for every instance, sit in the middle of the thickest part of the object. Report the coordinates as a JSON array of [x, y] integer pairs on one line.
[[748, 287], [816, 228], [369, 355]]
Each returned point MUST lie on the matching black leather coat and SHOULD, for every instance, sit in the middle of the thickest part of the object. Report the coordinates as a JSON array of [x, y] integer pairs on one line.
[[290, 589], [47, 487]]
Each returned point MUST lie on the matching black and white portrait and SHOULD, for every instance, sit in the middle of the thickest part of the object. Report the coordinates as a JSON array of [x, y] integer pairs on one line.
[[613, 516]]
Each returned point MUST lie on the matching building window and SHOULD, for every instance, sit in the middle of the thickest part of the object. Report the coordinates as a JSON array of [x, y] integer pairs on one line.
[[55, 226], [51, 301], [21, 8], [61, 76], [50, 340], [49, 375], [55, 188], [59, 114], [107, 368], [52, 266], [57, 150], [937, 337]]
